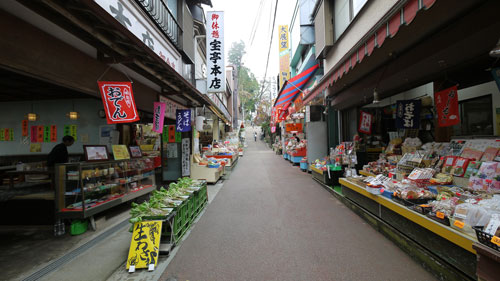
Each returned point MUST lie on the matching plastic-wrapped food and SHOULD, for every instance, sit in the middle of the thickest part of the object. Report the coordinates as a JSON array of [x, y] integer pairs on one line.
[[446, 207], [493, 226], [472, 214]]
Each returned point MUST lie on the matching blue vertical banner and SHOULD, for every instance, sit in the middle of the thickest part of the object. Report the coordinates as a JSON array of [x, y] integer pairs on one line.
[[408, 114], [495, 72], [183, 120]]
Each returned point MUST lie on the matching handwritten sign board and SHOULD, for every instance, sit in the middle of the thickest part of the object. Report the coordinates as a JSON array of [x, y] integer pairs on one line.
[[145, 245], [293, 127], [120, 152]]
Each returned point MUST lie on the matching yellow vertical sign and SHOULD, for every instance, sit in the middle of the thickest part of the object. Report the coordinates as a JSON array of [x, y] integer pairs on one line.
[[145, 245], [284, 54]]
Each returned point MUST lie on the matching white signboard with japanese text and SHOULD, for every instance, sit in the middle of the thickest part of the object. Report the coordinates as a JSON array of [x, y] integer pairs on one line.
[[171, 107], [186, 169], [216, 69], [134, 19]]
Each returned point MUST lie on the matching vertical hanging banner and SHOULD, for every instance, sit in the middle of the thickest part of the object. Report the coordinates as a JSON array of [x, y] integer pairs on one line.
[[11, 133], [186, 169], [34, 133], [40, 133], [53, 133], [408, 114], [171, 133], [118, 101], [46, 134], [447, 107], [158, 117], [72, 131], [216, 69], [178, 137], [284, 53], [183, 120], [25, 128], [164, 135], [365, 123], [6, 133], [2, 135]]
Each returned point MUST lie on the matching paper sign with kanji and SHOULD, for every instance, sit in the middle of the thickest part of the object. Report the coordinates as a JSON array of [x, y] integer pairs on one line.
[[118, 101], [145, 244], [447, 107], [365, 123]]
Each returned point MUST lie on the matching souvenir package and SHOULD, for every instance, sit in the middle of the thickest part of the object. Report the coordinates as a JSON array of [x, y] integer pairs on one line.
[[472, 153], [446, 206], [421, 174], [449, 162], [493, 226], [489, 154], [488, 170], [460, 166], [472, 214], [472, 169], [441, 178]]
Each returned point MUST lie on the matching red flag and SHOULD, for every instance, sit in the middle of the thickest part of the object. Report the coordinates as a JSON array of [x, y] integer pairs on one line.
[[171, 133], [447, 107], [118, 101], [365, 123]]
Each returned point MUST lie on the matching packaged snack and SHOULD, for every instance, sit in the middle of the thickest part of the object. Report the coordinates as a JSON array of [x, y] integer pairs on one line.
[[449, 162], [489, 154], [488, 170], [441, 179], [493, 226], [472, 153], [460, 166], [472, 169], [476, 184]]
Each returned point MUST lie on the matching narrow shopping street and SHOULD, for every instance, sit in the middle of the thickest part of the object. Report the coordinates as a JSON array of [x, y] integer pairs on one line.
[[272, 222]]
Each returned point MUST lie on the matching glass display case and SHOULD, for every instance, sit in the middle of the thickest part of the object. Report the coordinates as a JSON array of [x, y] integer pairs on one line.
[[87, 188]]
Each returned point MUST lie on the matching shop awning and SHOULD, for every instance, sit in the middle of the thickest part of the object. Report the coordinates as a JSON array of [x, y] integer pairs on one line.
[[291, 88], [386, 28]]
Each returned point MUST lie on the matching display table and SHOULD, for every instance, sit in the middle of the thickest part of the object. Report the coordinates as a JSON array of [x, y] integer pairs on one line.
[[366, 174], [442, 241], [211, 175], [231, 163], [322, 176], [488, 263]]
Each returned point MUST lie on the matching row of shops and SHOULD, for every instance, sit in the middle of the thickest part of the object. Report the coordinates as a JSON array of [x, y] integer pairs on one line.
[[409, 141], [136, 119]]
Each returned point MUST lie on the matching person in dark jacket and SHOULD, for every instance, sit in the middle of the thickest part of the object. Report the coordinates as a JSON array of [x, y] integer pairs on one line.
[[59, 153]]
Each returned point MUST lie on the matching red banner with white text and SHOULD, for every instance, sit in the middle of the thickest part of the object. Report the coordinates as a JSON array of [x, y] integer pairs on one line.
[[118, 101]]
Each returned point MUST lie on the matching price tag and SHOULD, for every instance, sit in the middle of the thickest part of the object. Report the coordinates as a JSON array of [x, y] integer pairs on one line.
[[495, 240], [459, 224], [440, 215], [151, 267], [131, 269], [425, 206]]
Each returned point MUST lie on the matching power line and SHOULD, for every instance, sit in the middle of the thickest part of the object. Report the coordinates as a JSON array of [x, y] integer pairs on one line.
[[270, 42], [255, 23]]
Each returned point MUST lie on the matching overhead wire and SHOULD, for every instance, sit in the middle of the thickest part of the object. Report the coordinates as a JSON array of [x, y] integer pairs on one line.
[[256, 23], [270, 43]]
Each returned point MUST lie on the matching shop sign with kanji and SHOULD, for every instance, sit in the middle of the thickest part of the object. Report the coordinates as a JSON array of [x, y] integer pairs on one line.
[[145, 245], [365, 123], [447, 107], [408, 114], [183, 120], [118, 101], [216, 73], [158, 117]]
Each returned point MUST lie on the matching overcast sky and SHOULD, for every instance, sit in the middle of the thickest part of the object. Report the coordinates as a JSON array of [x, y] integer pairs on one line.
[[239, 17]]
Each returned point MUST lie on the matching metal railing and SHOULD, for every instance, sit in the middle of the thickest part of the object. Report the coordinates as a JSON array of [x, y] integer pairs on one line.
[[166, 22]]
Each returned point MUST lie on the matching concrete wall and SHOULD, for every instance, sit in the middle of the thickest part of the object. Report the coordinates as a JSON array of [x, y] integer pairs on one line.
[[363, 22], [51, 112]]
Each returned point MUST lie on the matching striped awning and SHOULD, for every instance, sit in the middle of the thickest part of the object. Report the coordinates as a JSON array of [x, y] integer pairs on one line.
[[291, 88], [366, 46]]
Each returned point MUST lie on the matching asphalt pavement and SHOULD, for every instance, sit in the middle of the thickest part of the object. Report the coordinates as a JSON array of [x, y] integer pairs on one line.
[[270, 221]]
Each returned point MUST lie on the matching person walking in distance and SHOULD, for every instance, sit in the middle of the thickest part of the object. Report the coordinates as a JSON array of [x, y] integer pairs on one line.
[[255, 135]]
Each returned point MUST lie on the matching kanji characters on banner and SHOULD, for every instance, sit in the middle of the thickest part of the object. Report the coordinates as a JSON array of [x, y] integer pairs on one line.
[[216, 73], [183, 120], [158, 117], [118, 101], [408, 114], [447, 107], [171, 133], [365, 123], [25, 128]]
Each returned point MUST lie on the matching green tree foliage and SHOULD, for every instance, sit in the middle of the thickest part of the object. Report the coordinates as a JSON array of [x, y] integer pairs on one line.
[[248, 86]]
